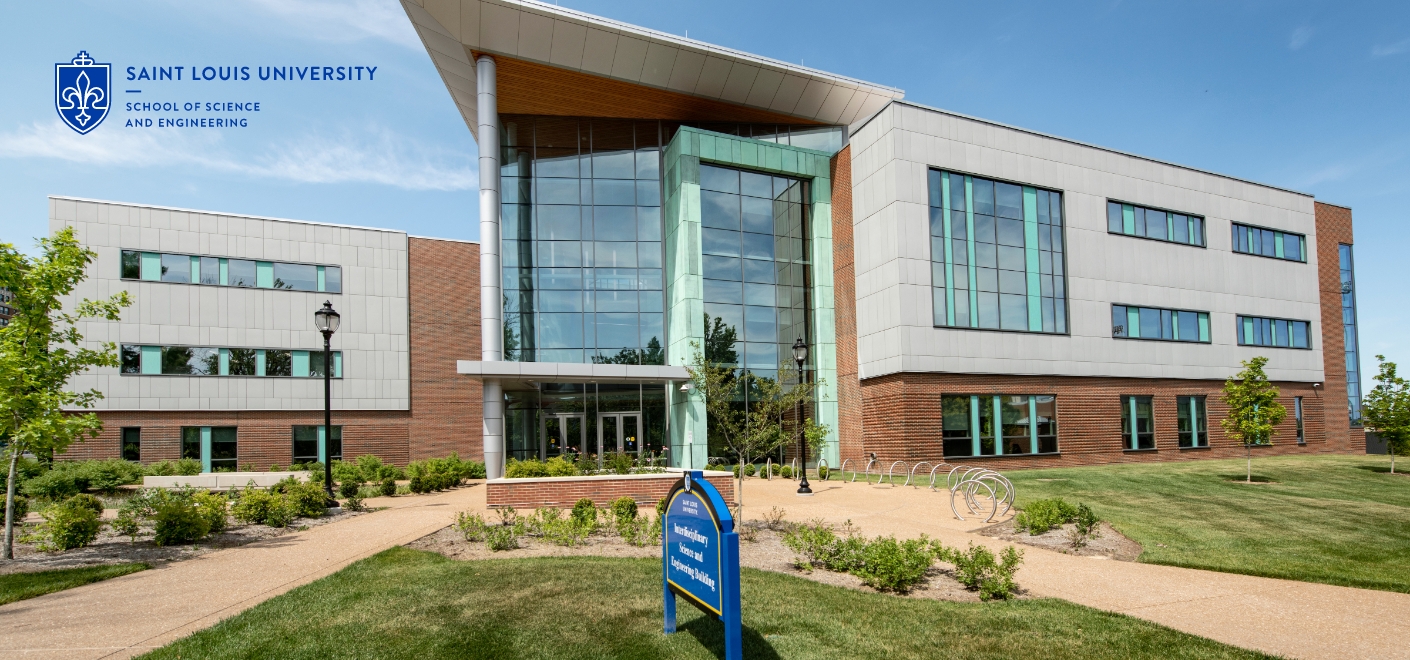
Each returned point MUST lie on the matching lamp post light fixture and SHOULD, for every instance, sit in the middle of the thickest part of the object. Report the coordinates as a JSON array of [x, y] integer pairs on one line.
[[800, 355], [327, 320]]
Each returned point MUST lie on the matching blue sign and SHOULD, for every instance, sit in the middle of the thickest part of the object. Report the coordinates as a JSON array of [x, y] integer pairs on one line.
[[700, 557], [81, 92]]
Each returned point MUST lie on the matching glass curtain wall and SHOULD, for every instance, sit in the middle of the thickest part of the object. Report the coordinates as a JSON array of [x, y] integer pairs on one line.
[[582, 240], [996, 255], [564, 418], [1350, 336]]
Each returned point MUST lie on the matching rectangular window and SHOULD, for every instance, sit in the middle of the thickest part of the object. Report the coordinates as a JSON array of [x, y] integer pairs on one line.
[[1248, 239], [1168, 226], [1352, 338], [1137, 422], [132, 444], [998, 425], [214, 446], [1193, 425], [997, 255], [1273, 333], [206, 361], [1297, 415], [307, 440], [215, 271], [1130, 322]]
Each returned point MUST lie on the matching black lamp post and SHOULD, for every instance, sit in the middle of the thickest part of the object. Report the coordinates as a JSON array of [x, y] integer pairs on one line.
[[326, 320], [800, 355]]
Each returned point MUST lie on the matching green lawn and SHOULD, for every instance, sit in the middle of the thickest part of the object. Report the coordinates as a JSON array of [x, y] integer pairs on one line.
[[410, 604], [19, 586], [1334, 519]]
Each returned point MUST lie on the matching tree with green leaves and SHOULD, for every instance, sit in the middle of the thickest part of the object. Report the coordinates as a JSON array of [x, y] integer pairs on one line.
[[1254, 411], [1386, 409], [751, 426], [41, 349]]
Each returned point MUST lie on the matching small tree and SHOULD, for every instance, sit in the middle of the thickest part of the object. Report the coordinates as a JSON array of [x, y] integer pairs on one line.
[[41, 349], [1387, 410], [753, 428], [1254, 411]]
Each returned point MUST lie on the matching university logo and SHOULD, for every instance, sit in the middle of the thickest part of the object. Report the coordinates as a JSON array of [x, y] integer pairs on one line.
[[81, 92]]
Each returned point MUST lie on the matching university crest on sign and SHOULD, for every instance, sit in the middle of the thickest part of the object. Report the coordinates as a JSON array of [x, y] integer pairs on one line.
[[81, 92]]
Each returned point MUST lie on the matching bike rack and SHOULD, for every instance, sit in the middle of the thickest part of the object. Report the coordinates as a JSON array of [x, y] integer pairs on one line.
[[794, 468], [912, 474], [843, 470], [768, 469], [822, 465], [891, 473], [866, 474], [1000, 492], [933, 470]]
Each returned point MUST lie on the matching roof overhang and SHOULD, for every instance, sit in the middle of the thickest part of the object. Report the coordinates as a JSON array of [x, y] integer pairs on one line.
[[557, 59], [525, 375]]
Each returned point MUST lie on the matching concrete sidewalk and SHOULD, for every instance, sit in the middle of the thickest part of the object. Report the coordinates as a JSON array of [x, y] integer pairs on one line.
[[1285, 617], [133, 614]]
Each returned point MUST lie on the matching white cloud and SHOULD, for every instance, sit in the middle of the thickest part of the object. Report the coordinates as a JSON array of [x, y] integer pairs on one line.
[[1299, 37], [1392, 49], [383, 158]]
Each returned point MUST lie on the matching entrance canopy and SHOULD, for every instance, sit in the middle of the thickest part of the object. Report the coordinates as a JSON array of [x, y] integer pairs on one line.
[[524, 375]]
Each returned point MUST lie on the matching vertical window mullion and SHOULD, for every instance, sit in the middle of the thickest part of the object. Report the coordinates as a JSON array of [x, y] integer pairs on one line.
[[969, 245], [949, 250], [998, 425], [974, 424], [1030, 253], [1032, 424], [1135, 425]]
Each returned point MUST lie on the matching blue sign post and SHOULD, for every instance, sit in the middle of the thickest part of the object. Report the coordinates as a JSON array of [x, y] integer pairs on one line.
[[700, 557]]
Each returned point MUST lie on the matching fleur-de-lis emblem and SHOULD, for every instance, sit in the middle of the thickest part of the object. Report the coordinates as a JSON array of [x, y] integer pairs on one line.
[[82, 92]]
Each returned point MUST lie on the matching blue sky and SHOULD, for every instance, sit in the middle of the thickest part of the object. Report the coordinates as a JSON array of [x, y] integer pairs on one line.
[[1305, 95]]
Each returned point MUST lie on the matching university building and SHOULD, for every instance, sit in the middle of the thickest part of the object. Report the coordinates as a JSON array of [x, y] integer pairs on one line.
[[968, 290]]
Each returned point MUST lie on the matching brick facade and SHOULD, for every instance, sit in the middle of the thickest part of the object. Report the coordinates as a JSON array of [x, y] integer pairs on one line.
[[566, 491], [903, 421], [1333, 229], [849, 390], [444, 283]]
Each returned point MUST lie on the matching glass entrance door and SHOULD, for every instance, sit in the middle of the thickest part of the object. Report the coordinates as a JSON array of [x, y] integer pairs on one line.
[[618, 432], [562, 432]]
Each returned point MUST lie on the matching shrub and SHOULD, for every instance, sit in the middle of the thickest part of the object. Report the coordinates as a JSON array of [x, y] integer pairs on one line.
[[1086, 520], [388, 487], [472, 526], [162, 469], [785, 471], [623, 510], [86, 501], [214, 507], [977, 569], [889, 565], [308, 499], [127, 524], [346, 471], [749, 470], [25, 469], [517, 469], [104, 476], [823, 471], [1042, 515], [370, 468], [559, 467], [188, 467], [619, 463], [274, 468], [67, 526], [812, 542], [585, 512], [774, 519], [180, 521], [418, 484], [282, 512], [253, 505], [21, 507], [53, 485], [773, 469], [349, 489], [501, 537]]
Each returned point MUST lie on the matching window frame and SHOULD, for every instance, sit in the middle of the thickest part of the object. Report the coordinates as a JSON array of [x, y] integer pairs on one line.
[[122, 443], [1066, 248], [1200, 436], [124, 251], [294, 456], [1204, 220], [1239, 332], [1036, 439], [222, 352], [1208, 319], [1233, 246], [1131, 436]]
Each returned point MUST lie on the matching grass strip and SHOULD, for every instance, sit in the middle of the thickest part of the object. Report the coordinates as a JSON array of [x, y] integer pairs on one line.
[[405, 603], [19, 586]]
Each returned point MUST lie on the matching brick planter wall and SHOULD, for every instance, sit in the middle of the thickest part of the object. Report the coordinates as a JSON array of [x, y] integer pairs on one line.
[[646, 489]]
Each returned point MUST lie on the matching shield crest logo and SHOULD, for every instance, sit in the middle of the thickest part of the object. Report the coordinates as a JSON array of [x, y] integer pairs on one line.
[[81, 92]]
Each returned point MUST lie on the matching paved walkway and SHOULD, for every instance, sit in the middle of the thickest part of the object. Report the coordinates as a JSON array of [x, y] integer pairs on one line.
[[1285, 617], [133, 614]]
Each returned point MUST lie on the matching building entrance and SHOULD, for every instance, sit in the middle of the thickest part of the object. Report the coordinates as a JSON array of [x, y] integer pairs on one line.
[[561, 432], [618, 432]]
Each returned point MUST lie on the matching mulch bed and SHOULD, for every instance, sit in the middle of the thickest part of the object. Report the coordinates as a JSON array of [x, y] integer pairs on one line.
[[111, 548], [1110, 544], [759, 547]]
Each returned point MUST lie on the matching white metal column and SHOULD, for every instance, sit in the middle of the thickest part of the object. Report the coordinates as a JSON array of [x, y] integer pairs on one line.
[[491, 316]]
